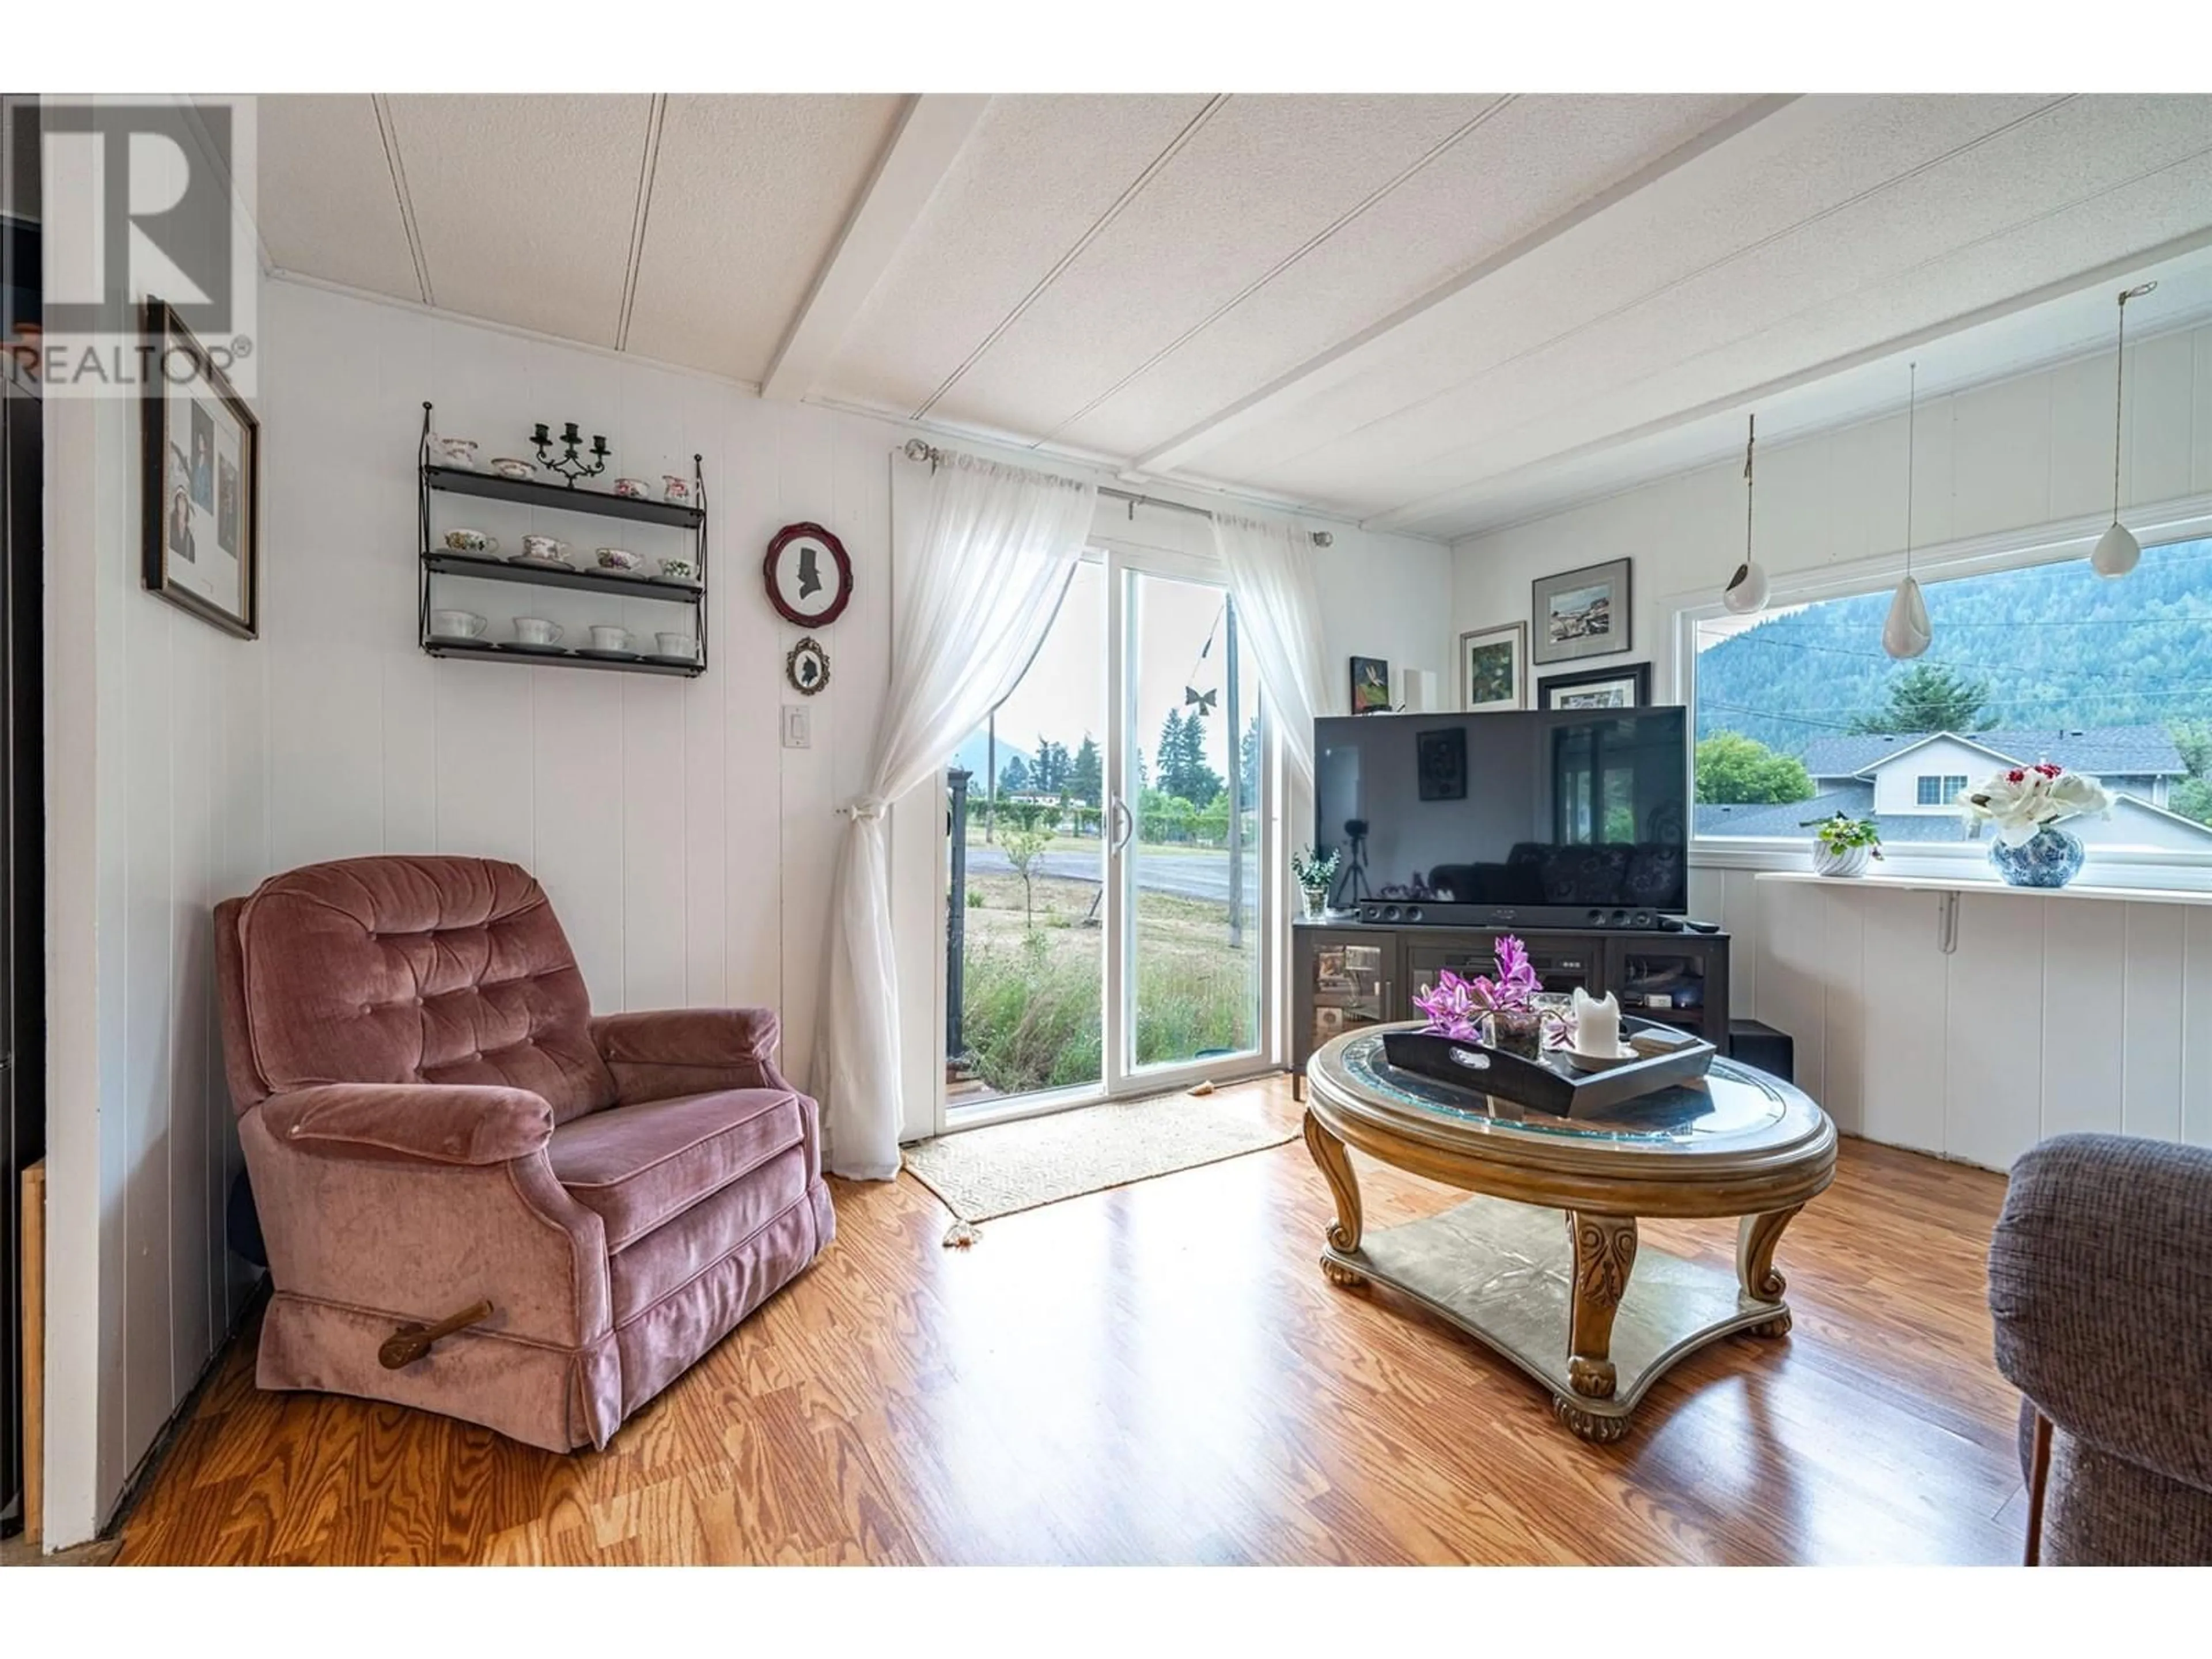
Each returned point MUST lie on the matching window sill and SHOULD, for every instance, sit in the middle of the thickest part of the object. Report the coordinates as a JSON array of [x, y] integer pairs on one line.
[[1984, 884]]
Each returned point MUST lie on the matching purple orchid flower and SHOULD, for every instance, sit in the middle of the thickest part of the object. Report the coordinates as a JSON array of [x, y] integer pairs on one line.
[[1457, 1008]]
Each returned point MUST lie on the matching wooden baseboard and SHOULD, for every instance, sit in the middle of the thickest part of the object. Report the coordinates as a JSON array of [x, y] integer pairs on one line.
[[34, 1352]]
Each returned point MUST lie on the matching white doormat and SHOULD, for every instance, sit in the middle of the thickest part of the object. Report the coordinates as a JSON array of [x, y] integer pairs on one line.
[[985, 1173]]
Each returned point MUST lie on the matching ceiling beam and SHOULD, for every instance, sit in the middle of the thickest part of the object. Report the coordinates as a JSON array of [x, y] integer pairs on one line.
[[921, 153], [1756, 131]]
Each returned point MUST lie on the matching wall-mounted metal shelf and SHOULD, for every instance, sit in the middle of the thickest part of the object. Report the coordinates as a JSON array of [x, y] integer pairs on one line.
[[433, 562]]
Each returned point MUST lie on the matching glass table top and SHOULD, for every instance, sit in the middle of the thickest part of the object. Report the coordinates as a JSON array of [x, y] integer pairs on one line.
[[1733, 1108]]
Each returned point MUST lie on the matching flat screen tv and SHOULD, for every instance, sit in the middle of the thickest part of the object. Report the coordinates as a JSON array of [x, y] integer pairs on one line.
[[1568, 817]]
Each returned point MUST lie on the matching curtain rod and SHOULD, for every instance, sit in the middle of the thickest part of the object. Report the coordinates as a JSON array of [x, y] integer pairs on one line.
[[918, 449]]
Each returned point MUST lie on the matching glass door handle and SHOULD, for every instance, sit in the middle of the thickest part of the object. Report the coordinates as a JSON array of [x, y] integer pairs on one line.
[[1125, 825]]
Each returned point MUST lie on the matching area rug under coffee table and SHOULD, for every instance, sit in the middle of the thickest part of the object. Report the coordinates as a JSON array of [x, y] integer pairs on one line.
[[983, 1173]]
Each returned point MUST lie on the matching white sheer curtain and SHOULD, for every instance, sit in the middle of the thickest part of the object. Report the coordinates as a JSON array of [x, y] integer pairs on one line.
[[1271, 576], [977, 595]]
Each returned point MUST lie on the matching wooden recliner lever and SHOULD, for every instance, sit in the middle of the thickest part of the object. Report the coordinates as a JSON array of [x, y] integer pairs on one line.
[[410, 1342]]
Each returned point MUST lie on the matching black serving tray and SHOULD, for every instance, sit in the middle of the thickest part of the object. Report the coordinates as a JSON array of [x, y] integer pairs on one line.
[[1549, 1085]]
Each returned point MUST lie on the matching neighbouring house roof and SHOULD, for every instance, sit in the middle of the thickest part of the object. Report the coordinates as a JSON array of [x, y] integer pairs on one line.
[[2101, 751], [1856, 800]]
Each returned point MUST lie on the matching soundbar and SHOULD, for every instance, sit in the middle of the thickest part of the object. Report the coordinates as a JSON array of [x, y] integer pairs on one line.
[[1438, 913]]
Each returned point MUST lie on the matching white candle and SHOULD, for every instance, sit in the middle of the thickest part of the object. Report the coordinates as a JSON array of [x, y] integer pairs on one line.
[[1597, 1025]]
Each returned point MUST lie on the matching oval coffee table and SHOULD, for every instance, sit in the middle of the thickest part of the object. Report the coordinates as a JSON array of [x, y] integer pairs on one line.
[[1573, 1304]]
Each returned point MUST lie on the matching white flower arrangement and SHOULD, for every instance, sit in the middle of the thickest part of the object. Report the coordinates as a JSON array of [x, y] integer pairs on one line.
[[2026, 800]]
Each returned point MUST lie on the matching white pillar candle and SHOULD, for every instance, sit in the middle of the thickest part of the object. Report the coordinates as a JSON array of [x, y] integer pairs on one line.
[[1597, 1025]]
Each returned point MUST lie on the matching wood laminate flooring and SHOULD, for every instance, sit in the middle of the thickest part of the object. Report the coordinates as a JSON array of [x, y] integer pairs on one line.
[[1160, 1374]]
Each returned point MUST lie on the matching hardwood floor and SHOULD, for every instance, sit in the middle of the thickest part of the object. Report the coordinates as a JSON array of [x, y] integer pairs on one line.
[[1160, 1374]]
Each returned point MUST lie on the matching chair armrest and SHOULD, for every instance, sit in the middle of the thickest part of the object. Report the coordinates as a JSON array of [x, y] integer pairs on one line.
[[418, 1122], [2100, 1285], [674, 1051]]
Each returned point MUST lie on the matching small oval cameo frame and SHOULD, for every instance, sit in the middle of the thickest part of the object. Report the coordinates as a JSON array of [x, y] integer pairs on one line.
[[807, 667]]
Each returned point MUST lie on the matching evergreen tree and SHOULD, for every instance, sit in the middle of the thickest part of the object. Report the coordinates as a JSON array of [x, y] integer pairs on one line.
[[1049, 777], [1248, 766], [1085, 776], [1931, 697], [1194, 781], [1014, 776], [1171, 753]]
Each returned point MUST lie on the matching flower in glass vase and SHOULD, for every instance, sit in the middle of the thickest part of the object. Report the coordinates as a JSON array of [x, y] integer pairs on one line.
[[2026, 805], [1314, 873]]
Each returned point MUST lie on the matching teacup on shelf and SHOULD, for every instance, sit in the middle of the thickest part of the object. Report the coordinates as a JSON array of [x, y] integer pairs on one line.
[[678, 645], [635, 489], [679, 570], [536, 630], [457, 624], [675, 488], [509, 467], [455, 452], [471, 541], [549, 549], [607, 638], [617, 558]]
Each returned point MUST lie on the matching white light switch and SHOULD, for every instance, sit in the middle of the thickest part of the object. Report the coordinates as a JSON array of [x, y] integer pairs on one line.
[[798, 726]]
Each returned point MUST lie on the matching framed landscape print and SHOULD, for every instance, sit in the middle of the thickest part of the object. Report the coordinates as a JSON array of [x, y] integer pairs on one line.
[[1581, 613], [1494, 668], [1628, 686], [201, 476], [1370, 686]]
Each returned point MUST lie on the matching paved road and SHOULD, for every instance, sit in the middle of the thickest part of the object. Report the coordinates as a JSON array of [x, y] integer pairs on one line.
[[1199, 874]]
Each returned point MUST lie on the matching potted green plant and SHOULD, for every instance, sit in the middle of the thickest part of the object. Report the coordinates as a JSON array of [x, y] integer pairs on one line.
[[1842, 844], [1314, 871]]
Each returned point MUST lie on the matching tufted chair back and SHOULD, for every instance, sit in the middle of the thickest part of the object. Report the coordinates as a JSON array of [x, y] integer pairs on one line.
[[405, 970]]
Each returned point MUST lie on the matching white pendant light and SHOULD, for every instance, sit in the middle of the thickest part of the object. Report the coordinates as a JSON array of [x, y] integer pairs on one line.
[[1907, 632], [1745, 592], [2118, 550]]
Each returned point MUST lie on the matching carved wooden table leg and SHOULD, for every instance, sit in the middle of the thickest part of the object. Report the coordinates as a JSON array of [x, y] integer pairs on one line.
[[1336, 1169], [1755, 1238], [1605, 1254]]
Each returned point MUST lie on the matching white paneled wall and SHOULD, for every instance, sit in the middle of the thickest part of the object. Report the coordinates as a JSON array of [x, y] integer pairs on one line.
[[157, 806], [690, 855], [2051, 1015]]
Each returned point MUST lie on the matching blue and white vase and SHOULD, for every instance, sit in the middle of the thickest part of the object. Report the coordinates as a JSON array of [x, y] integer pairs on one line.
[[2052, 859]]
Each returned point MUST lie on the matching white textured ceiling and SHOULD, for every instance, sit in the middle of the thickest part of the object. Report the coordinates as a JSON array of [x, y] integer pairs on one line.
[[1434, 313]]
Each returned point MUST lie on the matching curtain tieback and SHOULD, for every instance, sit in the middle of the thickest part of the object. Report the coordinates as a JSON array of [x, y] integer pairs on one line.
[[863, 806]]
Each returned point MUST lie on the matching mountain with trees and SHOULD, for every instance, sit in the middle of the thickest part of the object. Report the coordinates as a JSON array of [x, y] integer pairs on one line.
[[2049, 646]]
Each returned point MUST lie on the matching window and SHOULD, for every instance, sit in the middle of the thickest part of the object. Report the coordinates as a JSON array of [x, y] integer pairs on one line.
[[1798, 713]]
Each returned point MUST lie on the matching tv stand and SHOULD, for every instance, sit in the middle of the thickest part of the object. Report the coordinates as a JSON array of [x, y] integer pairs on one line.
[[1349, 972]]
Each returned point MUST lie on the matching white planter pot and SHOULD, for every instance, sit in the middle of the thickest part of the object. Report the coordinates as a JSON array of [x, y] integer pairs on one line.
[[1830, 861]]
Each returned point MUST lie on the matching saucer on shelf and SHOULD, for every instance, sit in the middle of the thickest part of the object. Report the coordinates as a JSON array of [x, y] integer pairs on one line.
[[529, 563], [608, 656], [531, 650]]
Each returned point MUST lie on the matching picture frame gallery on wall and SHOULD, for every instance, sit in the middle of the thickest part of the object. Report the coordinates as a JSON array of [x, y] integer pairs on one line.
[[1625, 686], [200, 478], [1581, 613], [1494, 668]]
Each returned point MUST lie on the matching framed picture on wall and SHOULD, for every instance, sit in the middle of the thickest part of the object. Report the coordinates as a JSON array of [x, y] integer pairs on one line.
[[1494, 668], [1581, 613], [1628, 686], [1370, 685], [200, 474]]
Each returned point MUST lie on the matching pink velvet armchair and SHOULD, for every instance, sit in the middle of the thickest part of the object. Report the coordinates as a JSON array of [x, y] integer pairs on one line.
[[444, 1142]]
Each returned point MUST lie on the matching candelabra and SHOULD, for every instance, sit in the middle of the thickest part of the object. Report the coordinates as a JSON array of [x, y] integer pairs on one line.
[[571, 466]]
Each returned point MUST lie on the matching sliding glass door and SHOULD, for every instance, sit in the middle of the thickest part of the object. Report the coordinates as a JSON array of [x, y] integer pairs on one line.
[[1108, 928]]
